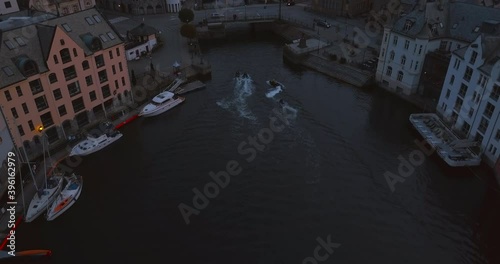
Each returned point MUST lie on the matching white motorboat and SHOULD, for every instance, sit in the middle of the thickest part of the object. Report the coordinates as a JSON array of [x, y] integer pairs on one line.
[[93, 144], [67, 197], [161, 103], [44, 198], [274, 84]]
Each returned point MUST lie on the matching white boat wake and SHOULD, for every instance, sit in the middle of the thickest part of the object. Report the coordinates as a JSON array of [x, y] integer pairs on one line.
[[243, 89], [273, 91]]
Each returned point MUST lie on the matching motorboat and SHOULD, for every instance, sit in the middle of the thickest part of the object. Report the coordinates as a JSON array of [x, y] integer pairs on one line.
[[274, 84], [92, 144], [44, 197], [161, 103], [67, 197]]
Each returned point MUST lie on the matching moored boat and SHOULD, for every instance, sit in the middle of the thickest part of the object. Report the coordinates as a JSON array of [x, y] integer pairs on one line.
[[66, 198], [274, 84], [161, 103], [44, 197], [93, 144]]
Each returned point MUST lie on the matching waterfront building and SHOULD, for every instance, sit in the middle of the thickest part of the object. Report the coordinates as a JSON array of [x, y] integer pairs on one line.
[[61, 7], [8, 6], [61, 74], [141, 41], [146, 7], [342, 7], [437, 28], [469, 100]]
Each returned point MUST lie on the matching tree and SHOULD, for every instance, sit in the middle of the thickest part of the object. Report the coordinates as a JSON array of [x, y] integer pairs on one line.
[[188, 31], [186, 15]]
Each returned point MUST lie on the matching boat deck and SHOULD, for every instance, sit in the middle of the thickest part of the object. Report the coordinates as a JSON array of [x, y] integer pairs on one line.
[[454, 151]]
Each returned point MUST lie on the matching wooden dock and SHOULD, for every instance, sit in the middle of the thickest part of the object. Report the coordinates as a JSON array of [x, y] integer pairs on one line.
[[192, 86]]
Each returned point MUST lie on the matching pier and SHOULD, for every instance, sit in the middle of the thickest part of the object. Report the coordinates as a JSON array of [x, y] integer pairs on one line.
[[189, 87]]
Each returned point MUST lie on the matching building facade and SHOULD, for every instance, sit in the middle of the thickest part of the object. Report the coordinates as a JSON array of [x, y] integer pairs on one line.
[[69, 72], [8, 6], [141, 41], [438, 26], [469, 101], [147, 7], [6, 146], [348, 8], [63, 7]]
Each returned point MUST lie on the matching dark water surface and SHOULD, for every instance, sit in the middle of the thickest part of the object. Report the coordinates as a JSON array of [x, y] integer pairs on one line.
[[323, 175]]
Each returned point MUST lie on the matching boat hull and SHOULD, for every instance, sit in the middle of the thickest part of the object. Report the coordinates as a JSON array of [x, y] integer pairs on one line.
[[163, 108], [76, 151], [39, 204], [65, 200]]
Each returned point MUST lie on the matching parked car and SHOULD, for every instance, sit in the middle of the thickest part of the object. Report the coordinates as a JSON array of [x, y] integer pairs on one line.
[[290, 3], [217, 15], [323, 23]]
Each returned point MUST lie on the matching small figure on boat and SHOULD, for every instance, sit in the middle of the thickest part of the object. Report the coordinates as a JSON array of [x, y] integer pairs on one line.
[[273, 83]]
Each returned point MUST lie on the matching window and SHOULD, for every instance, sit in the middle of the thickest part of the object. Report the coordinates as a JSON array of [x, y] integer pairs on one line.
[[75, 53], [479, 138], [46, 119], [103, 38], [391, 55], [103, 76], [99, 61], [52, 78], [74, 89], [117, 52], [443, 44], [448, 92], [416, 65], [456, 65], [89, 20], [8, 71], [497, 135], [41, 103], [468, 73], [30, 124], [465, 128], [463, 90], [62, 41], [65, 56], [36, 86], [407, 44], [458, 104], [97, 19], [120, 66], [483, 125], [85, 65], [400, 76], [9, 44], [488, 111], [420, 50], [403, 60], [66, 27], [473, 57], [471, 112], [110, 35], [386, 37], [8, 96], [25, 108], [8, 4], [495, 93], [20, 41], [123, 81], [93, 96], [62, 110], [116, 85], [56, 61], [89, 80], [21, 130], [14, 112], [57, 94], [78, 105], [389, 71], [105, 91], [408, 25], [110, 54], [113, 69], [452, 79], [455, 26], [69, 73], [476, 29], [75, 8], [395, 40]]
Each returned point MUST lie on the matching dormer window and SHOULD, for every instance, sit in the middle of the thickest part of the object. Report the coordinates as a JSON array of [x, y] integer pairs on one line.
[[441, 25], [9, 44], [20, 41], [476, 29], [89, 20], [455, 26], [7, 70], [26, 65], [408, 25]]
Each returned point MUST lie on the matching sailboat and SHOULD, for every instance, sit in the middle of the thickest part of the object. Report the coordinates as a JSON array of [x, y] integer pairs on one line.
[[66, 198], [44, 197]]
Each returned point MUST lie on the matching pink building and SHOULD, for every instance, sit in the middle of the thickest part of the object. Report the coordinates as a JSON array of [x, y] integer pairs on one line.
[[61, 74]]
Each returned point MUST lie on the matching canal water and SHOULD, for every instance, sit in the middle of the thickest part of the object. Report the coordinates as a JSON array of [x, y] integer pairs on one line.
[[318, 181]]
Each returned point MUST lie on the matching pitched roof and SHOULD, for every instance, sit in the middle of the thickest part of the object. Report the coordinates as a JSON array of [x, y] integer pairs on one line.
[[34, 41], [143, 30]]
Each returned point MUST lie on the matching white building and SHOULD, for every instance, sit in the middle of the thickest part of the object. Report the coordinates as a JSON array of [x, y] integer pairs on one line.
[[430, 26], [173, 6], [8, 6], [469, 99], [6, 146]]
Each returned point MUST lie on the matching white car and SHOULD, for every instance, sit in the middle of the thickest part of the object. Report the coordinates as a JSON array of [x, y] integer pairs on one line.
[[217, 15]]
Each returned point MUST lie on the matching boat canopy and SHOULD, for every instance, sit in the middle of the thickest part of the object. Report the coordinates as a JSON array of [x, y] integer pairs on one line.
[[163, 97]]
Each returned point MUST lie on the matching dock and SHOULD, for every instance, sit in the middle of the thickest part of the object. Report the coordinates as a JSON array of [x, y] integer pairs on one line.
[[454, 151], [189, 87]]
